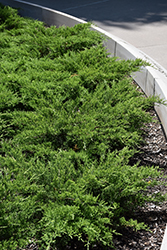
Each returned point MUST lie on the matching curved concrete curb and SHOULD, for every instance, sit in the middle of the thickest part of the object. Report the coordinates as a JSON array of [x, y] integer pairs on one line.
[[152, 79], [164, 242]]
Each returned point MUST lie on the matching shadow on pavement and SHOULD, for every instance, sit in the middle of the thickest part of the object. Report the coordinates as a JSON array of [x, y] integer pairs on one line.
[[119, 13]]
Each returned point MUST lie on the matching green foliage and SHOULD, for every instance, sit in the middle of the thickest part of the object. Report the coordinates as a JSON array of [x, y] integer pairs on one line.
[[70, 120]]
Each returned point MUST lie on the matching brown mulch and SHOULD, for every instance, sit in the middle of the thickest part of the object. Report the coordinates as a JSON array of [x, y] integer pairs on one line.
[[153, 153]]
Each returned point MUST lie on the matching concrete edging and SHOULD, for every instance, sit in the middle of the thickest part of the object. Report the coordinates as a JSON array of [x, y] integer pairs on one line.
[[152, 79]]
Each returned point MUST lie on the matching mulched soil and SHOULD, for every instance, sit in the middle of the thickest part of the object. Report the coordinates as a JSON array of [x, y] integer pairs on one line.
[[153, 153]]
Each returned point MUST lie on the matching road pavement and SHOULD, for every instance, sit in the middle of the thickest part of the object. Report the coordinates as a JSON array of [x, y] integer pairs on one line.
[[141, 23]]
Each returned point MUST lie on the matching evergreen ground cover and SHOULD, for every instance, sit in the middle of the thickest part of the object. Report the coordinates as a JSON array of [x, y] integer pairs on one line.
[[70, 120]]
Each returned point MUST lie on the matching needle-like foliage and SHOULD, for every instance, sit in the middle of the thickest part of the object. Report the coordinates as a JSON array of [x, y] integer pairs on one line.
[[70, 120]]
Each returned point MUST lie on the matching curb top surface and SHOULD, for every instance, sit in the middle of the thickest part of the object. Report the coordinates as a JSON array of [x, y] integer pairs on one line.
[[140, 23], [157, 21]]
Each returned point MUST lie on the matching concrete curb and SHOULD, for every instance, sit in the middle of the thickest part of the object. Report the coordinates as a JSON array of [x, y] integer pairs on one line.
[[164, 241], [152, 79]]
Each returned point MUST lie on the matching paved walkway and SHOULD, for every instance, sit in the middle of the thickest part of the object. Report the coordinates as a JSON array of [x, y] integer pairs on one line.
[[141, 23]]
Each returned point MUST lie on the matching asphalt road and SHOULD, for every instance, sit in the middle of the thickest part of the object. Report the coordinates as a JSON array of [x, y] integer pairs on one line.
[[141, 23]]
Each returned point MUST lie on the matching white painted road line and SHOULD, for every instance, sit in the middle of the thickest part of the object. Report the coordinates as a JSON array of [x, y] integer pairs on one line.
[[84, 5]]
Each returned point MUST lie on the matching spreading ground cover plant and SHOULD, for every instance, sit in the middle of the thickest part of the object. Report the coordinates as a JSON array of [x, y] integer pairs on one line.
[[69, 122]]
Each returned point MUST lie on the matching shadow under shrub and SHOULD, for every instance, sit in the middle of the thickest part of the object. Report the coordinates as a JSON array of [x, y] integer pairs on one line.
[[70, 120]]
